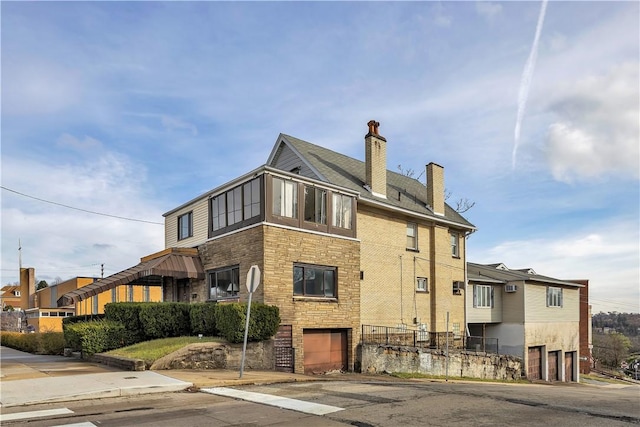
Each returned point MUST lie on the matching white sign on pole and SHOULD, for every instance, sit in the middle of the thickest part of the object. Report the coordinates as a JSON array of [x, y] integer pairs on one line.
[[253, 281], [253, 278]]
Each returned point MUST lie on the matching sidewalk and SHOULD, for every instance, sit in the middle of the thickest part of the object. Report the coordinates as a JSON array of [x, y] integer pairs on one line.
[[28, 379]]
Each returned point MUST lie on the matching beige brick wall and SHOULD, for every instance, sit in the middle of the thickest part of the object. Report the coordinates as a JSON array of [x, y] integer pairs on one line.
[[275, 250], [388, 290]]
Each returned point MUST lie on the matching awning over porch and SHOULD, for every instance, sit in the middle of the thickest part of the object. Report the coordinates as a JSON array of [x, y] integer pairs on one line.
[[177, 264]]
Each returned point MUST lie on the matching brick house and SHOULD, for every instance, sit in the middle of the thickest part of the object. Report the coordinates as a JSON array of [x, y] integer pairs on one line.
[[340, 243], [527, 315]]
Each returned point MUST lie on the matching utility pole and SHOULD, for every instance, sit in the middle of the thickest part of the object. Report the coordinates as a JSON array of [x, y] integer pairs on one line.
[[102, 271], [19, 257]]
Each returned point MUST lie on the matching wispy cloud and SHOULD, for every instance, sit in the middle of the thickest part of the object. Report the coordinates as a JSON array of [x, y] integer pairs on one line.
[[525, 83], [488, 10]]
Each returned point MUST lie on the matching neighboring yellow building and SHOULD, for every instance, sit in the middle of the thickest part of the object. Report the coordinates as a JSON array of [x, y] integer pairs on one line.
[[45, 313], [10, 297]]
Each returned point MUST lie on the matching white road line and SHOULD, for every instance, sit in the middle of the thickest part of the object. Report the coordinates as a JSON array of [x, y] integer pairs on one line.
[[268, 399], [85, 424], [35, 414]]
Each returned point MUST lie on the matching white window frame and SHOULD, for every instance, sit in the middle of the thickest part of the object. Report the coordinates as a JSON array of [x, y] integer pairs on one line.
[[455, 244], [554, 296], [412, 236], [482, 296], [422, 284]]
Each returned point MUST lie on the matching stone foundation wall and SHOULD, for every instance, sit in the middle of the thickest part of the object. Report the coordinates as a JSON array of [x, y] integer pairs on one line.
[[213, 355], [392, 359]]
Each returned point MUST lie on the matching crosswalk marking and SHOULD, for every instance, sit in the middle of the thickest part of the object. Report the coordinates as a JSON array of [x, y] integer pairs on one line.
[[85, 424], [35, 414], [268, 399]]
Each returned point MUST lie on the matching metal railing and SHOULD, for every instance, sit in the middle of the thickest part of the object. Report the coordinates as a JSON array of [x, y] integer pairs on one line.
[[386, 335]]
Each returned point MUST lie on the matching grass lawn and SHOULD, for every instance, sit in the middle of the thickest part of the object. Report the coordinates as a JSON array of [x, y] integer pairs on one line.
[[150, 351]]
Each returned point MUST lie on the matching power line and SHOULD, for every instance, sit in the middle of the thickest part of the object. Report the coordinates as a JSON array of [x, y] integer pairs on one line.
[[79, 209]]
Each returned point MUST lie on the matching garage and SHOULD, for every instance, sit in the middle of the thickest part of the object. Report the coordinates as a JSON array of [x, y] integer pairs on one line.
[[552, 359], [325, 350], [568, 366], [534, 365]]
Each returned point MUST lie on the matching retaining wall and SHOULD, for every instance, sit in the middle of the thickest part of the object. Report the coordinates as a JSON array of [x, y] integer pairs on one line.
[[374, 358]]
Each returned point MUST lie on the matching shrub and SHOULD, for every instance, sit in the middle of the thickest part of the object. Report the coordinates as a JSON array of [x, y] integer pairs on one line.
[[37, 343], [127, 313], [81, 318], [231, 318], [165, 320], [97, 336], [203, 319]]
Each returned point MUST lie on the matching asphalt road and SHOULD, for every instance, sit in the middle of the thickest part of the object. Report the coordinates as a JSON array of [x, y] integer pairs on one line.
[[360, 403]]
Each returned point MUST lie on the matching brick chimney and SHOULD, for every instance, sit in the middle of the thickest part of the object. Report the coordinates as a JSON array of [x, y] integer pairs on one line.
[[376, 161], [435, 188]]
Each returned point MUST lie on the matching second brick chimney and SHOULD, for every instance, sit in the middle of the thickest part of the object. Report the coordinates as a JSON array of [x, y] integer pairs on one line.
[[435, 188], [376, 160]]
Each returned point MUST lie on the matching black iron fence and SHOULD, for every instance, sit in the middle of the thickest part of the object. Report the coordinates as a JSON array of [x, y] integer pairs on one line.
[[386, 335]]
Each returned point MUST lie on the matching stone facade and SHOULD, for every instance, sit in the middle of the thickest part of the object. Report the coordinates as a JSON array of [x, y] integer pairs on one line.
[[274, 250]]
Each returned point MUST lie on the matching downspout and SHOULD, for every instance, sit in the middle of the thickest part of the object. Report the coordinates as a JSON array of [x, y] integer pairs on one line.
[[466, 282], [401, 313]]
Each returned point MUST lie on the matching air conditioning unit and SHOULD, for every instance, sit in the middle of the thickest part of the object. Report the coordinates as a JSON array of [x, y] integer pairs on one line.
[[511, 288], [458, 287]]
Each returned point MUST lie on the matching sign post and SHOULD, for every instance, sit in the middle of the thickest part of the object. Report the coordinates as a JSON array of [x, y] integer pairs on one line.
[[253, 281]]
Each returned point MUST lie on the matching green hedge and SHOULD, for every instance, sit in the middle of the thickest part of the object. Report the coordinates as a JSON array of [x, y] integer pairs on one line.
[[82, 318], [127, 313], [165, 320], [203, 319], [96, 336], [231, 319], [38, 343]]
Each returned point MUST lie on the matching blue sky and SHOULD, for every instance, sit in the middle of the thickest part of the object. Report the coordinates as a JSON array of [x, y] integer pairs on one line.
[[132, 108]]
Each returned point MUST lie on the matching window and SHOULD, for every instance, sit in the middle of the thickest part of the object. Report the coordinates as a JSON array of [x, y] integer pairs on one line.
[[422, 284], [185, 226], [412, 236], [234, 206], [94, 308], [16, 293], [219, 212], [224, 283], [251, 198], [315, 281], [114, 295], [130, 288], [315, 205], [145, 291], [456, 331], [455, 249], [285, 198], [342, 211], [554, 297], [482, 296]]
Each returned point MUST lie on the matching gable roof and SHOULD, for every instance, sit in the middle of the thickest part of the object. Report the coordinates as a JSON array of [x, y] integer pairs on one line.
[[499, 273], [338, 169]]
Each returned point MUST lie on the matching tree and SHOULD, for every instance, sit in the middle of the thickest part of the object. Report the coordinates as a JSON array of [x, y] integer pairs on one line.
[[41, 285], [462, 204], [611, 349]]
